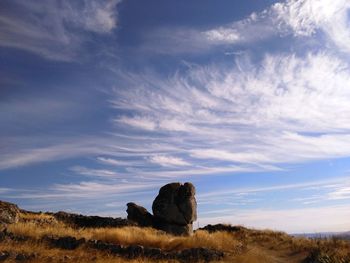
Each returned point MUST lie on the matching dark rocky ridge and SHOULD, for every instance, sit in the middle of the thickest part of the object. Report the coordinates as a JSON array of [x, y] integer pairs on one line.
[[91, 221], [222, 227]]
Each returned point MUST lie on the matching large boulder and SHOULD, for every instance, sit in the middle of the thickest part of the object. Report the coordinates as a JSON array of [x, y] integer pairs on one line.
[[175, 208], [9, 213], [139, 215]]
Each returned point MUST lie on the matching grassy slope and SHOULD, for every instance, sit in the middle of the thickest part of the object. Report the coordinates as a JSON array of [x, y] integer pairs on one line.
[[244, 246]]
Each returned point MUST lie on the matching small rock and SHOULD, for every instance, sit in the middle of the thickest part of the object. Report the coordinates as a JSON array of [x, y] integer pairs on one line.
[[24, 257], [9, 213], [4, 255], [154, 253], [67, 242], [199, 254], [134, 251], [139, 215]]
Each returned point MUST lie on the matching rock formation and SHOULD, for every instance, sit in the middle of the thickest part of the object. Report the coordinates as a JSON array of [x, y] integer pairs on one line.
[[9, 213], [139, 215], [174, 210]]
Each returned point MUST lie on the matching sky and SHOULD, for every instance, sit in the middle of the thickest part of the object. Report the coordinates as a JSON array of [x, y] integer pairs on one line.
[[103, 102]]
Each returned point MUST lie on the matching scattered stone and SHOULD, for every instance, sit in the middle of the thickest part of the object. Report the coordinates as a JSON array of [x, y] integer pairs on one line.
[[2, 235], [67, 242], [222, 227], [139, 215], [6, 234], [91, 221], [136, 251], [9, 213], [4, 255], [154, 253], [175, 208], [25, 257], [199, 254]]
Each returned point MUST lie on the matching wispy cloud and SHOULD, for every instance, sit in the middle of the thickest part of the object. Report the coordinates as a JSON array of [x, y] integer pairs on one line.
[[168, 160], [61, 149], [54, 29], [94, 172], [301, 19], [285, 109]]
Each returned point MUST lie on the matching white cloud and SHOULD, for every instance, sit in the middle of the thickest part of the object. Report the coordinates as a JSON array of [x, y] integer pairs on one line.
[[54, 29], [168, 160], [302, 19], [25, 155], [339, 193], [94, 172], [138, 122], [229, 156], [115, 162], [306, 17], [224, 35], [283, 109]]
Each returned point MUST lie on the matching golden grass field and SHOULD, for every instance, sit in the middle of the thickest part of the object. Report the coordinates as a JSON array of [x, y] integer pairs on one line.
[[243, 246]]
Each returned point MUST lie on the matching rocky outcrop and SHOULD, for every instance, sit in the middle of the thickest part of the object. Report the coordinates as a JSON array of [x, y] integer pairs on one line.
[[139, 215], [174, 210], [9, 213], [90, 221], [222, 227]]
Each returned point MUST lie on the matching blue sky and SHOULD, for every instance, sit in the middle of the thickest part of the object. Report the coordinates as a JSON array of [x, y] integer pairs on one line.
[[103, 102]]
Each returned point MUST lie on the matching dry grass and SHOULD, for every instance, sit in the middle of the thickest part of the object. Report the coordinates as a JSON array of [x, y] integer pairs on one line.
[[131, 235], [244, 246], [80, 255]]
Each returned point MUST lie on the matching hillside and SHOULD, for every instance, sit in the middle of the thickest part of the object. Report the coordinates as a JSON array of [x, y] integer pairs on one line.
[[47, 237]]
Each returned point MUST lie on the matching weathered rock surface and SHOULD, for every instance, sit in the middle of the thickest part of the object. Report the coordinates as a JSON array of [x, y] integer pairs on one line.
[[139, 215], [9, 213], [91, 221], [175, 208]]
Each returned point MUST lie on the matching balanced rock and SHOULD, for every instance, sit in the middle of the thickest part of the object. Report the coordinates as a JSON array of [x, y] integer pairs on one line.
[[139, 215], [175, 208], [9, 213]]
